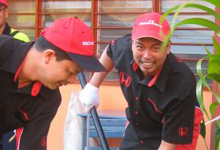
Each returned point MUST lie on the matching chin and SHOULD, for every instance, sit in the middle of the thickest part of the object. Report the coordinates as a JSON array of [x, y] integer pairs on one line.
[[52, 87]]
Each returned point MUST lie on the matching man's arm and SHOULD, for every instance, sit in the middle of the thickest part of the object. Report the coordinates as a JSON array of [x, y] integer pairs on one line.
[[107, 62], [89, 96], [167, 146]]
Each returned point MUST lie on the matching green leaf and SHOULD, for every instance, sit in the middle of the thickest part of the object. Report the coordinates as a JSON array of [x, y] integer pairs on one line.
[[217, 135], [214, 76], [167, 40], [175, 16], [199, 21], [216, 46], [169, 11], [214, 67], [200, 73], [212, 108], [199, 94], [204, 8], [203, 129], [207, 51], [214, 2], [178, 8]]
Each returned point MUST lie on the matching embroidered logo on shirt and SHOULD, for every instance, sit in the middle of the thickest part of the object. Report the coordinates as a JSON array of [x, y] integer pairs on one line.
[[183, 131], [125, 79]]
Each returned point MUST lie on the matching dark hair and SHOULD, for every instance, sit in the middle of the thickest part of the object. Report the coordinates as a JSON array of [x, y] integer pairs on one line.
[[42, 44]]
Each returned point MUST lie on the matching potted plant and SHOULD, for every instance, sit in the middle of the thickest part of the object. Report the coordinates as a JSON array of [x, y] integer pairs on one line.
[[213, 72]]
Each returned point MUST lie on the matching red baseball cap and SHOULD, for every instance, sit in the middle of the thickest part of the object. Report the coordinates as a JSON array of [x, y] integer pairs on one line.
[[75, 38], [4, 2], [148, 25]]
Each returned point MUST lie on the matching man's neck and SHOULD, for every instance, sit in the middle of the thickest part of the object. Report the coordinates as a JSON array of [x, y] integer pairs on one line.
[[27, 74], [23, 83]]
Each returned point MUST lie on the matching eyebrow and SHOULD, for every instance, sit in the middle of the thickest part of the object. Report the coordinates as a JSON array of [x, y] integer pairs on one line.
[[138, 42], [157, 43]]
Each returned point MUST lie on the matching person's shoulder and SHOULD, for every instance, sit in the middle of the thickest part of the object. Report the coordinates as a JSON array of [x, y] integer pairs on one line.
[[7, 46], [6, 40], [122, 43], [20, 36], [178, 65], [120, 49], [124, 39], [181, 75]]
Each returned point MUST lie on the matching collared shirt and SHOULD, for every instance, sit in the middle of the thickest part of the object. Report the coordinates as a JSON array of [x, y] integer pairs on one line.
[[30, 108], [161, 107]]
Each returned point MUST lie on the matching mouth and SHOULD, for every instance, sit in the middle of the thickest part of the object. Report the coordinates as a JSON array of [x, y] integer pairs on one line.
[[62, 83], [147, 65]]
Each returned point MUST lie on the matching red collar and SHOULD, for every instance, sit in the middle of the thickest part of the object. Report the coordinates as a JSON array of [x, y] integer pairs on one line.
[[152, 82], [37, 85]]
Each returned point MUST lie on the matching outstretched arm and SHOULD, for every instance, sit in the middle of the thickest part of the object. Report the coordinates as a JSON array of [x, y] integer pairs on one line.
[[89, 96], [107, 62]]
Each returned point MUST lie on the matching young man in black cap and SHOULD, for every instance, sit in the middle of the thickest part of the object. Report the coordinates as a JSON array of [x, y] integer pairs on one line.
[[30, 74], [163, 111]]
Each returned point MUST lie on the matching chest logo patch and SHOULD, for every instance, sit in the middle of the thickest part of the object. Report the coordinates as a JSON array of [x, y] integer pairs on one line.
[[125, 79], [183, 131]]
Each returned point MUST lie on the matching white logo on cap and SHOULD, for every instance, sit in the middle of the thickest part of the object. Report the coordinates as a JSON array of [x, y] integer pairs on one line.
[[87, 43], [150, 22]]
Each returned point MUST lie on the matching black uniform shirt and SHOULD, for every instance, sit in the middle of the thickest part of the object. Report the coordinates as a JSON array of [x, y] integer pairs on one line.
[[159, 108], [31, 107]]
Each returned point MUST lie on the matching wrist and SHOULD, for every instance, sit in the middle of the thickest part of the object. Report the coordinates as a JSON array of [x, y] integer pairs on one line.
[[92, 88]]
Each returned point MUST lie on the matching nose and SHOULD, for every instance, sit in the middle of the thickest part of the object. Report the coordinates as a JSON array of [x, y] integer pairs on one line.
[[146, 53], [71, 79]]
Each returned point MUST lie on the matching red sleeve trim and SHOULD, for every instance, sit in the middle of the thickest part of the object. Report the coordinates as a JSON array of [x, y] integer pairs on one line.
[[19, 132]]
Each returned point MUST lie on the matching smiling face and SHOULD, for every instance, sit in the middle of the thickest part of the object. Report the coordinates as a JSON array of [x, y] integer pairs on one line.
[[148, 56], [57, 73]]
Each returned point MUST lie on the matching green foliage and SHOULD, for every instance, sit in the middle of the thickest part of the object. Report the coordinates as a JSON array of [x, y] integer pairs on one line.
[[213, 59]]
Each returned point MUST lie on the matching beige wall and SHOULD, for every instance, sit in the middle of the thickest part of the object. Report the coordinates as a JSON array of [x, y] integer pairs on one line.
[[111, 99]]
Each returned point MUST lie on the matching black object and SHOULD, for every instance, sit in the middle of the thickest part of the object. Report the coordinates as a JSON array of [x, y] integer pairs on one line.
[[95, 116]]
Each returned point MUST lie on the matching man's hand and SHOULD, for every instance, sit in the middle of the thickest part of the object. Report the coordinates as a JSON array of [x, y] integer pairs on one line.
[[89, 97]]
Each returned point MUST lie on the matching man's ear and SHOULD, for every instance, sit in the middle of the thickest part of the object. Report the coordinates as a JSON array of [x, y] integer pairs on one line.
[[168, 47], [132, 44], [6, 12], [49, 55]]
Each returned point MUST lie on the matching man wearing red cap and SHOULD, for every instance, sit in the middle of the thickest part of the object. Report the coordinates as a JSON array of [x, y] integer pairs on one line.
[[31, 74], [163, 111]]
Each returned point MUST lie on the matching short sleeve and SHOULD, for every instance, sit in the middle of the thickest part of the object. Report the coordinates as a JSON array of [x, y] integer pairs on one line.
[[120, 50], [179, 118]]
